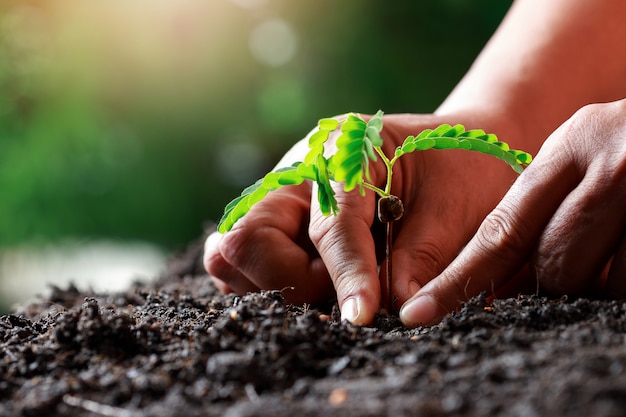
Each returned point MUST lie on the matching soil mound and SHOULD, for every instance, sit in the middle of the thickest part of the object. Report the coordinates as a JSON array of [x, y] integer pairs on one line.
[[177, 348]]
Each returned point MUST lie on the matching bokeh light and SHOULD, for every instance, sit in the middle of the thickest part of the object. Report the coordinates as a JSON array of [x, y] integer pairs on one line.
[[273, 42], [138, 120]]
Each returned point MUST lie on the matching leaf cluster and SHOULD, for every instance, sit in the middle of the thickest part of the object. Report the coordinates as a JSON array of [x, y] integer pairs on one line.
[[350, 164], [358, 144], [456, 137]]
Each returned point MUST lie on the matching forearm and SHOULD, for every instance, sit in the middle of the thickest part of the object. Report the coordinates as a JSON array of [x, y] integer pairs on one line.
[[546, 60]]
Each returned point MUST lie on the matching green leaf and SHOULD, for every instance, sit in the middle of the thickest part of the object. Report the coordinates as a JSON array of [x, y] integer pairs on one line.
[[407, 146], [423, 134], [318, 139], [373, 135], [369, 150], [240, 206], [355, 148], [312, 155], [374, 127], [454, 131], [523, 157], [377, 121], [325, 192], [456, 137], [306, 171], [328, 124], [445, 142], [502, 145], [440, 130], [277, 179], [357, 144]]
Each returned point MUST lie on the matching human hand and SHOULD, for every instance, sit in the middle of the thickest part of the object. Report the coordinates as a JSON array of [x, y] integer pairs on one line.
[[445, 195], [566, 214]]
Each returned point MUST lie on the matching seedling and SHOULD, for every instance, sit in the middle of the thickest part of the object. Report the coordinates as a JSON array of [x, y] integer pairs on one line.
[[358, 144]]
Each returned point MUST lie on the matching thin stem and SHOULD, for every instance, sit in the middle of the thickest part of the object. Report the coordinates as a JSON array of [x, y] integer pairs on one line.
[[382, 155], [393, 160], [374, 188], [389, 165], [388, 272], [388, 227]]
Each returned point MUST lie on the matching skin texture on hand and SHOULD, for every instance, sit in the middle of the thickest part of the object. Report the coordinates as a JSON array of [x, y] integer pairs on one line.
[[285, 241], [546, 61], [566, 212]]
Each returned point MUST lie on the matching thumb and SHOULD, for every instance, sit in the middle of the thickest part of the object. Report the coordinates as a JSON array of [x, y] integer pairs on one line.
[[502, 244], [346, 246]]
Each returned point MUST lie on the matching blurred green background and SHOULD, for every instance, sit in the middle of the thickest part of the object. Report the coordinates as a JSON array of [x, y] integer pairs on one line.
[[138, 120]]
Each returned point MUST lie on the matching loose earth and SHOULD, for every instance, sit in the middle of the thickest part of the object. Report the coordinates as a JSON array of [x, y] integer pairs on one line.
[[176, 347]]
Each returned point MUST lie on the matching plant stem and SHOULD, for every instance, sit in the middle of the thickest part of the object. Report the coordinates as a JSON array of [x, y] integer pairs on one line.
[[388, 219], [390, 209], [389, 165], [388, 266], [380, 192]]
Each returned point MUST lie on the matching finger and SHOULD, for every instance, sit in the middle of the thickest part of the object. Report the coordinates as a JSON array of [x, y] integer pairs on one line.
[[616, 279], [589, 226], [226, 278], [582, 236], [346, 246], [221, 286], [502, 243], [441, 223], [429, 238], [438, 224], [264, 250], [284, 265]]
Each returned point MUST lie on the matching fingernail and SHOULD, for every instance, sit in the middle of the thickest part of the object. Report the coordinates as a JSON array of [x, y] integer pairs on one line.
[[350, 310], [421, 311]]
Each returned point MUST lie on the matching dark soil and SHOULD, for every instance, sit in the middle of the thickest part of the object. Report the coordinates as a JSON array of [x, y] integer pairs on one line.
[[176, 348]]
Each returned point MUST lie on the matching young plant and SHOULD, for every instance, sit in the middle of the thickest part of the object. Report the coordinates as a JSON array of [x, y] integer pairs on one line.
[[359, 144]]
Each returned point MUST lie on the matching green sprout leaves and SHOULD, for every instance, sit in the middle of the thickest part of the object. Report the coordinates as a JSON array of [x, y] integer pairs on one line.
[[251, 195], [355, 148], [456, 137], [359, 144]]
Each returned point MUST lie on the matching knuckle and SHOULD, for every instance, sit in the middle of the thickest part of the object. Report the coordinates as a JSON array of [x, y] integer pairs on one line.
[[501, 234], [238, 246], [320, 229], [330, 231], [349, 271], [584, 123], [592, 129], [591, 113]]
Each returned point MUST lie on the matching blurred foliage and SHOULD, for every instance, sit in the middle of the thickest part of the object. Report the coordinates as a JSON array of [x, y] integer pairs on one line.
[[122, 119]]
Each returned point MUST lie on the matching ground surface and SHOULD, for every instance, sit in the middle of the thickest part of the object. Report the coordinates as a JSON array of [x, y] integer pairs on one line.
[[175, 348]]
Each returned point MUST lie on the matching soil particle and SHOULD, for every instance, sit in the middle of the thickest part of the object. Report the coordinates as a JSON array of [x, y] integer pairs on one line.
[[177, 348]]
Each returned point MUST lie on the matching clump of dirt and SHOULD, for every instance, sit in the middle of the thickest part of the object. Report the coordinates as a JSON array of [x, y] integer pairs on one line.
[[178, 348]]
